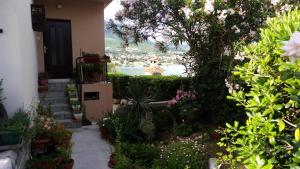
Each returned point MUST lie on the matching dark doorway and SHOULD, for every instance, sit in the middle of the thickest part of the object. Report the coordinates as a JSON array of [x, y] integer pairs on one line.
[[58, 48]]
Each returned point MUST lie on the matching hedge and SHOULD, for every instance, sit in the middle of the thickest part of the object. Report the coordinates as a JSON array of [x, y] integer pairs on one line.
[[156, 87]]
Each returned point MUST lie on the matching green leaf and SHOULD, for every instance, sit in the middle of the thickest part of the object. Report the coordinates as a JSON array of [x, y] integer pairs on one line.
[[281, 125], [297, 134], [272, 140]]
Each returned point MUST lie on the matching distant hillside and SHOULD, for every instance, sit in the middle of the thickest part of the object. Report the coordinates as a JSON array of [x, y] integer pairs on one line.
[[113, 41], [137, 55]]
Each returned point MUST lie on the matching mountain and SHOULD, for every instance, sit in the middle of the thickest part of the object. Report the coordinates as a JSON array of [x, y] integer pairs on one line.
[[137, 55]]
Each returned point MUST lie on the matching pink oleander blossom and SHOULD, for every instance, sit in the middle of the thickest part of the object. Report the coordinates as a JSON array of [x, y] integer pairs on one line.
[[180, 95]]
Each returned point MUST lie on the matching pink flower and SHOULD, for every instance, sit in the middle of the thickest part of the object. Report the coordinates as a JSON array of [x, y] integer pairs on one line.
[[177, 97], [179, 92], [172, 102]]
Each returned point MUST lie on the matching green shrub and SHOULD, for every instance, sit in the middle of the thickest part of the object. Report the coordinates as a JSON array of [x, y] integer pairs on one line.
[[158, 87], [163, 120], [271, 100], [179, 155], [130, 127], [140, 154], [148, 128], [123, 163], [187, 115]]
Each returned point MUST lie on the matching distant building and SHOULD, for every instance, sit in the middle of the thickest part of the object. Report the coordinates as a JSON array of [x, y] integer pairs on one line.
[[154, 68]]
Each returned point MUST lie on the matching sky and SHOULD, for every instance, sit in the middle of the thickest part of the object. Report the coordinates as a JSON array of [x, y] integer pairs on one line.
[[111, 9]]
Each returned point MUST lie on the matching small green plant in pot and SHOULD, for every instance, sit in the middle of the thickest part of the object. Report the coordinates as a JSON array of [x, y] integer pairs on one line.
[[13, 130], [43, 162], [74, 101], [102, 126], [64, 155], [43, 79], [71, 90]]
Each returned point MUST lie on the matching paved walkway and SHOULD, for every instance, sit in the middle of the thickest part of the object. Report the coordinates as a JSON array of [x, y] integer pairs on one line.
[[89, 150]]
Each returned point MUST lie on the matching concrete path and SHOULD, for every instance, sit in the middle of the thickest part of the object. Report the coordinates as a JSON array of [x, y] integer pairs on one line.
[[89, 150]]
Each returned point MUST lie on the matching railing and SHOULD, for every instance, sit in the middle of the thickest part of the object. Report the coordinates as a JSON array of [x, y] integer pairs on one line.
[[90, 59]]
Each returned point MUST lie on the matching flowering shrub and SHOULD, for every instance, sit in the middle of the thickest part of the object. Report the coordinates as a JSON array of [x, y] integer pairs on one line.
[[181, 95], [186, 111], [181, 154], [43, 126], [270, 138]]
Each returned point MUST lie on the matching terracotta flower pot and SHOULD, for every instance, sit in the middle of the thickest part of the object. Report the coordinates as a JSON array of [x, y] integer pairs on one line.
[[104, 132], [40, 146], [43, 165], [92, 59], [112, 161], [43, 89], [215, 136], [43, 82], [69, 165]]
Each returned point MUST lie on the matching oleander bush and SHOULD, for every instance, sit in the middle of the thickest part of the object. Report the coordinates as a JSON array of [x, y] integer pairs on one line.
[[270, 77]]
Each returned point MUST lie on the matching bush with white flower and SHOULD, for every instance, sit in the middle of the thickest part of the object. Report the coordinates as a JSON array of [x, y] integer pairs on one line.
[[211, 28], [180, 155], [270, 138]]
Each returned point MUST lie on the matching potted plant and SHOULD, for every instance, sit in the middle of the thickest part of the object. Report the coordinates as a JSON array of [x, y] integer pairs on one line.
[[74, 101], [12, 130], [76, 107], [103, 129], [112, 160], [71, 90], [42, 162], [61, 136], [91, 57], [43, 127], [64, 153], [62, 142], [43, 79], [78, 115]]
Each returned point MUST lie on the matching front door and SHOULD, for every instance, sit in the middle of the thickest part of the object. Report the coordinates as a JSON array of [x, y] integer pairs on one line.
[[58, 48]]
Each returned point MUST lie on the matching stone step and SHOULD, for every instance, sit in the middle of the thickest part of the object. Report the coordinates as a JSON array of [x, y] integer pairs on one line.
[[69, 123], [55, 100], [62, 115], [57, 107], [50, 81], [50, 94], [57, 87]]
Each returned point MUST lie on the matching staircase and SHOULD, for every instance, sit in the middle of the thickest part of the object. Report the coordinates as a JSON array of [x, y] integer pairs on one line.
[[58, 101]]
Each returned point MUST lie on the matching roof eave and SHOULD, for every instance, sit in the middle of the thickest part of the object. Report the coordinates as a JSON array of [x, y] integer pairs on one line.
[[106, 3]]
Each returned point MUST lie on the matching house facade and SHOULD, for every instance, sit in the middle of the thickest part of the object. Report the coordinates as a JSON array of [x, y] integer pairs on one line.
[[70, 27]]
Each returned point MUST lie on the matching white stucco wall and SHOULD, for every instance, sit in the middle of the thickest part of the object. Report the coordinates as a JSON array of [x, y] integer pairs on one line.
[[18, 56]]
